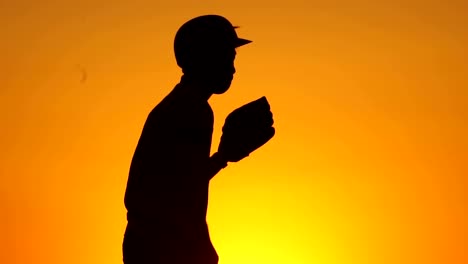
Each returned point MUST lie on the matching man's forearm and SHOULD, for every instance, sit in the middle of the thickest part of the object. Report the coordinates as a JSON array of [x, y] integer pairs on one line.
[[215, 164]]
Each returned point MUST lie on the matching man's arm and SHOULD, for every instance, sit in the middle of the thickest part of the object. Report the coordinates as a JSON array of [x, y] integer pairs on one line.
[[215, 164], [198, 168], [190, 150]]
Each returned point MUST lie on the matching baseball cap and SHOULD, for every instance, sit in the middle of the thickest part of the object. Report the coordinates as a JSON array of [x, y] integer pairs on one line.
[[203, 33]]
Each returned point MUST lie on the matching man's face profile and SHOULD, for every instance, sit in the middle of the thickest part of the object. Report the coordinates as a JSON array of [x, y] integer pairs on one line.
[[216, 68], [223, 71]]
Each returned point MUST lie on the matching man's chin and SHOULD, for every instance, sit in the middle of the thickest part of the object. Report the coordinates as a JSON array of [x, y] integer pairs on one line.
[[222, 88]]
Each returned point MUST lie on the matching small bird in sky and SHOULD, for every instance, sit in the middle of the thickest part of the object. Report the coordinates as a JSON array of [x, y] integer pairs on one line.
[[84, 73]]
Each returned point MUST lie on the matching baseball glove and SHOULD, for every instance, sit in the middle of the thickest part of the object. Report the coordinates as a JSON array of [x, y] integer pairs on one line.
[[246, 129]]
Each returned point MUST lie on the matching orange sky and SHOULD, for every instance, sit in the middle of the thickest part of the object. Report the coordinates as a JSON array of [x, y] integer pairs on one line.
[[368, 165]]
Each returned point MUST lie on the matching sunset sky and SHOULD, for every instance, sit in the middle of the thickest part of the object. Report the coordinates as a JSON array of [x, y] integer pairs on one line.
[[370, 100]]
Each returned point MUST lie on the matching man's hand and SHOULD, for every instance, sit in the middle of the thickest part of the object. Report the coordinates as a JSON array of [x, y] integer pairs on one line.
[[246, 129]]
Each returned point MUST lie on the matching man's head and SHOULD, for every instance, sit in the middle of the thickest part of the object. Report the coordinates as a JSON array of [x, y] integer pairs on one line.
[[205, 49]]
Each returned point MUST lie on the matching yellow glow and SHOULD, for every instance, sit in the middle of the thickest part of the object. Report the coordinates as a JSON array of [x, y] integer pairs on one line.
[[369, 164]]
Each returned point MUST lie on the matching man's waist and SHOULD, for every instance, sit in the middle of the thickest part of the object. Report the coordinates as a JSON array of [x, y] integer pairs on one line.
[[160, 219], [167, 229]]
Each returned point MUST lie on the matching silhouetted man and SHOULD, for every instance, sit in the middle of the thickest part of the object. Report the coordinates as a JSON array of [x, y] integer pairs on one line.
[[167, 189]]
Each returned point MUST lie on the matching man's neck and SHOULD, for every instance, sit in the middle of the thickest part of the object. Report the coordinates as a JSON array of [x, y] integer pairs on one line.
[[196, 87]]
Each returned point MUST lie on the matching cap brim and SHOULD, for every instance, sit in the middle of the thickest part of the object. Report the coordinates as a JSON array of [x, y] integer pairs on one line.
[[241, 42]]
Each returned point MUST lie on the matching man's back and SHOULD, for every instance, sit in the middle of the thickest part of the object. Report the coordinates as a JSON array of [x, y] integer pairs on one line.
[[166, 197]]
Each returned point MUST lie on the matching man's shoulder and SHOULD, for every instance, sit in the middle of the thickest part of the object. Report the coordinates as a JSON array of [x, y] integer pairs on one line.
[[180, 112], [182, 105]]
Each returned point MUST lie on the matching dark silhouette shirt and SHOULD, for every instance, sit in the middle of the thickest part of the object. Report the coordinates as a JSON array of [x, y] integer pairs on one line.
[[167, 190]]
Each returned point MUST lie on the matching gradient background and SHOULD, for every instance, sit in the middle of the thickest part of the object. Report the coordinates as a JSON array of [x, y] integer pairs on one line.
[[370, 160]]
